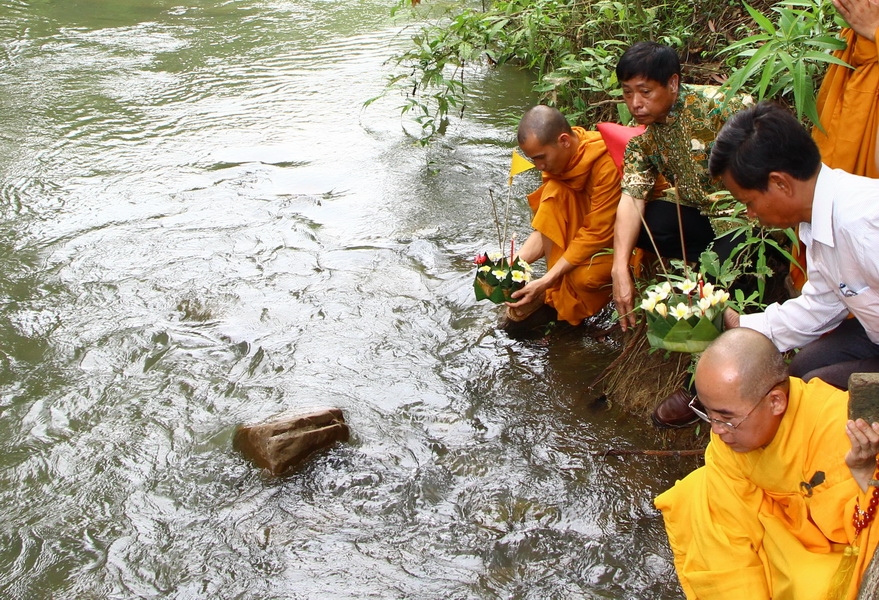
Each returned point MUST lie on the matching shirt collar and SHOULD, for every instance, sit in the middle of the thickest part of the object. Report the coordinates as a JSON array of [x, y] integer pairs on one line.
[[822, 206], [676, 108]]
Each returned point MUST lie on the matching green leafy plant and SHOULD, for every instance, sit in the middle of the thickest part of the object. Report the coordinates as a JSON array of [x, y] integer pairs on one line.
[[788, 57], [749, 258], [433, 68], [571, 46]]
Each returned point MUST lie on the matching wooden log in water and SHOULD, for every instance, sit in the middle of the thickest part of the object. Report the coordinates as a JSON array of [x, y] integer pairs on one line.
[[285, 440]]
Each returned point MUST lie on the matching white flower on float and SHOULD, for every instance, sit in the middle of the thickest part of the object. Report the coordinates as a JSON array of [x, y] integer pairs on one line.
[[719, 297], [681, 311], [707, 290], [663, 290], [661, 309], [520, 276], [704, 304], [686, 286], [649, 303]]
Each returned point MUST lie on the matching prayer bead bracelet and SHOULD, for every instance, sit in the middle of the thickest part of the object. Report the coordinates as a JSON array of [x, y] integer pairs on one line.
[[861, 519]]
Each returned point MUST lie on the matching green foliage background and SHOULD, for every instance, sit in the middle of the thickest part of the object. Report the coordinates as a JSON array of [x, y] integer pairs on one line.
[[771, 50]]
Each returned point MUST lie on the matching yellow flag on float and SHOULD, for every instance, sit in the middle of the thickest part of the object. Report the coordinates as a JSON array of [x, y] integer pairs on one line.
[[519, 165]]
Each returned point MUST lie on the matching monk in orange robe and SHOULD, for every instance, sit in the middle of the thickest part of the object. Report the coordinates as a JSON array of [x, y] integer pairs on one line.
[[848, 102], [574, 214]]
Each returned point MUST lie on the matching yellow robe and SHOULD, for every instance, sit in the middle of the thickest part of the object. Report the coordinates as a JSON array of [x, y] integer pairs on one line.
[[745, 526], [576, 211], [848, 108]]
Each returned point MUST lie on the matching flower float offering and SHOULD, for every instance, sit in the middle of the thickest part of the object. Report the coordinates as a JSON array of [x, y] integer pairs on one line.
[[685, 316], [497, 277]]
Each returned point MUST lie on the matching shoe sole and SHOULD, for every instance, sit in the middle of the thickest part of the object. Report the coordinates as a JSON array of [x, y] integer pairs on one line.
[[664, 425]]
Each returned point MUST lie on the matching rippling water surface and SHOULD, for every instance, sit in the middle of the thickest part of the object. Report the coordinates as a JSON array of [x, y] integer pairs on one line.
[[201, 226]]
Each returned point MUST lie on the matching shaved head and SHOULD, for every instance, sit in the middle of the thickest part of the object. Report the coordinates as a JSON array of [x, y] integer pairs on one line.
[[543, 122], [744, 359]]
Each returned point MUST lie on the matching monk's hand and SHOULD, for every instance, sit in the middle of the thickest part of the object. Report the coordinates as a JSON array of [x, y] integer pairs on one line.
[[624, 299], [529, 293], [861, 15], [730, 319], [861, 459]]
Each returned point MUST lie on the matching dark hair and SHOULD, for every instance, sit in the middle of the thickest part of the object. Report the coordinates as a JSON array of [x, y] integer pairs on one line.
[[759, 140], [546, 123], [650, 60]]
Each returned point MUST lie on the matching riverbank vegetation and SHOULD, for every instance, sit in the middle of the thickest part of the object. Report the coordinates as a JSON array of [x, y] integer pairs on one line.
[[771, 50]]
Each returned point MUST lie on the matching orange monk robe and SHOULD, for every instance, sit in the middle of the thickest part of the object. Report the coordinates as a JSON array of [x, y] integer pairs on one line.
[[576, 211], [746, 525], [848, 107]]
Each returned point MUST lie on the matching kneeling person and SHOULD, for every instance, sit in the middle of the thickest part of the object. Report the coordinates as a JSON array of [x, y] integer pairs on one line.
[[771, 512], [574, 213]]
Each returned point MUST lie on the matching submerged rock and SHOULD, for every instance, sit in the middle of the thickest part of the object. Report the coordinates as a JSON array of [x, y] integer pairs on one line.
[[283, 441]]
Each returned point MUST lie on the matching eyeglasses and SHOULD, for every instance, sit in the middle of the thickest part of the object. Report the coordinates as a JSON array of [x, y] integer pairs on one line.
[[726, 424]]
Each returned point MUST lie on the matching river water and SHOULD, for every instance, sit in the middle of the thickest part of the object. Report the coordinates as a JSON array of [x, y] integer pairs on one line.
[[202, 226]]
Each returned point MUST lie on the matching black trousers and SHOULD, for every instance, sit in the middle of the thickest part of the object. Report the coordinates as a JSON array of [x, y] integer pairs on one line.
[[836, 355], [662, 220]]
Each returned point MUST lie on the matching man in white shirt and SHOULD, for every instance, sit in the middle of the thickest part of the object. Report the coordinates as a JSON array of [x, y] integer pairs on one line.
[[769, 162]]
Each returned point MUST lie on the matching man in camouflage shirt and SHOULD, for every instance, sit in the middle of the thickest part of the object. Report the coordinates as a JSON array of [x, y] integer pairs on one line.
[[681, 124]]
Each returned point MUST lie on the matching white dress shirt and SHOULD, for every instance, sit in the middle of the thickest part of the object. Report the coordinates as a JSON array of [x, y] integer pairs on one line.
[[842, 252]]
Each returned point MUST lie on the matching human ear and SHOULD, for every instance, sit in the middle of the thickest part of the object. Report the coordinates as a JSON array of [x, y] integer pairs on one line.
[[782, 181], [673, 83], [777, 401]]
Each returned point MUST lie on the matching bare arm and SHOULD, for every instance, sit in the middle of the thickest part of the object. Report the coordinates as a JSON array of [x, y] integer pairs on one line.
[[534, 289], [532, 249], [626, 229]]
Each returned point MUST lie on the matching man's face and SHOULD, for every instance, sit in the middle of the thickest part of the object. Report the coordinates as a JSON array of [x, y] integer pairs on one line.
[[552, 158], [753, 419], [649, 101], [773, 208]]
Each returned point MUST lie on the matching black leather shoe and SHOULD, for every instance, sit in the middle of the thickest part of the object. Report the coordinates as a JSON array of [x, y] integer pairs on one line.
[[673, 412]]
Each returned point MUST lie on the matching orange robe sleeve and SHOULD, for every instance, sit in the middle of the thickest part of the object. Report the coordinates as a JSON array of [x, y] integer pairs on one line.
[[848, 108]]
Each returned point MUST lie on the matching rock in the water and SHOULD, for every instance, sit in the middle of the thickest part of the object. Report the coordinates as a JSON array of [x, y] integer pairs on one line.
[[283, 441]]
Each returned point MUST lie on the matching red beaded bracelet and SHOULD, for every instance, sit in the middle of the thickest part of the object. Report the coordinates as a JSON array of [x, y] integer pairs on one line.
[[861, 519]]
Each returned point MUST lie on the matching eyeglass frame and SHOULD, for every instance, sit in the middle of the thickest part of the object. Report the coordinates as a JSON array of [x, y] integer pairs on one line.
[[726, 424]]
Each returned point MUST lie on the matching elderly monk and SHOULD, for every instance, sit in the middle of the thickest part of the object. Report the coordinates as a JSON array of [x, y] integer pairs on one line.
[[771, 512], [574, 212]]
